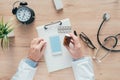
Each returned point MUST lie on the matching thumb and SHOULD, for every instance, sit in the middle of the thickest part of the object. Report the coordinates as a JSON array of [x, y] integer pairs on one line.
[[43, 49], [68, 48]]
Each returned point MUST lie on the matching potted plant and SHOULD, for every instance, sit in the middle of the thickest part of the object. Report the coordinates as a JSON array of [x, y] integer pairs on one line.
[[5, 29]]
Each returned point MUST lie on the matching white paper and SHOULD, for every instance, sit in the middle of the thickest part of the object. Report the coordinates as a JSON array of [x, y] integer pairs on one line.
[[57, 62]]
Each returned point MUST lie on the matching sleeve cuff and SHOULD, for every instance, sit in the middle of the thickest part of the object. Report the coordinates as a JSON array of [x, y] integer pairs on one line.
[[78, 59], [83, 69], [83, 59], [31, 62]]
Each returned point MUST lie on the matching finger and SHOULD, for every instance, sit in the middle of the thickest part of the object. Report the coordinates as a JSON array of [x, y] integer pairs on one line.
[[36, 41], [33, 41], [43, 49], [72, 41], [41, 44], [73, 36], [68, 48]]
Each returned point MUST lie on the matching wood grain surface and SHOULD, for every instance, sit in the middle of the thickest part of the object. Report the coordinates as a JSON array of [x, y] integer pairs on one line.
[[85, 16]]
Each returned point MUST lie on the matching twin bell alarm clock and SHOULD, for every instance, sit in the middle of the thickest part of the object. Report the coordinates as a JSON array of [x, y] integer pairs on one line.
[[23, 13]]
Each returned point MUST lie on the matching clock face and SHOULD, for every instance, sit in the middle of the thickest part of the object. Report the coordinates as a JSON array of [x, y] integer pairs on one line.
[[23, 14]]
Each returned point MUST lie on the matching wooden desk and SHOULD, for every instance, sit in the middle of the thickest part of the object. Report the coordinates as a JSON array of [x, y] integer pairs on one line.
[[85, 16]]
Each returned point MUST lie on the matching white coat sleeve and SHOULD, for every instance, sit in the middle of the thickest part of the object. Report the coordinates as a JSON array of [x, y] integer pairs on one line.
[[83, 69], [24, 72]]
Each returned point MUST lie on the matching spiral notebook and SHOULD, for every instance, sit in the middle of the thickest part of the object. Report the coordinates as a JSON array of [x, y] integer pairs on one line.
[[56, 55]]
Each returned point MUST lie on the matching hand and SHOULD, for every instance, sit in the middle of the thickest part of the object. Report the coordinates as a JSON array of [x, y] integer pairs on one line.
[[37, 49], [75, 50]]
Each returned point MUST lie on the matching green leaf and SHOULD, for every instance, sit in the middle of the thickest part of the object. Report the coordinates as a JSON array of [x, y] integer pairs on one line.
[[0, 25], [5, 28], [5, 42], [9, 30], [5, 31], [1, 36], [2, 22], [9, 26], [6, 25], [2, 43], [0, 32]]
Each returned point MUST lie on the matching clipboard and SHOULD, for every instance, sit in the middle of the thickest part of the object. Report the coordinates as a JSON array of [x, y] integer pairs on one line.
[[57, 30]]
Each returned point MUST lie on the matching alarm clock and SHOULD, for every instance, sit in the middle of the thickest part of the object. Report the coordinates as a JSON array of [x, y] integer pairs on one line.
[[23, 13]]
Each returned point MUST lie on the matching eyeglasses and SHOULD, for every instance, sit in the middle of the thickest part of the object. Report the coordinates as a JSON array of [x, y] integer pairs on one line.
[[85, 39]]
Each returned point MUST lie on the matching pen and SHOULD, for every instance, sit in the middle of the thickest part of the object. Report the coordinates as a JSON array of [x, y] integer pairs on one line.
[[75, 33]]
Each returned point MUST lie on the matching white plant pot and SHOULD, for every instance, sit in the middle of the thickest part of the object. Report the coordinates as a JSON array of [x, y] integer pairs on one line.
[[11, 34]]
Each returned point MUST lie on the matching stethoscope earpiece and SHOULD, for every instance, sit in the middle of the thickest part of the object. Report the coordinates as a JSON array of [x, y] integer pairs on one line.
[[106, 16]]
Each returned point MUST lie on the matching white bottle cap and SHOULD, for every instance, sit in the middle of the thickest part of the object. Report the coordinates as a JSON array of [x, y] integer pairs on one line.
[[58, 4]]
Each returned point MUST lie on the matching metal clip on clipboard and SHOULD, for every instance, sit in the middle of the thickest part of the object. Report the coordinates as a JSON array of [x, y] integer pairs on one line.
[[45, 27], [61, 28]]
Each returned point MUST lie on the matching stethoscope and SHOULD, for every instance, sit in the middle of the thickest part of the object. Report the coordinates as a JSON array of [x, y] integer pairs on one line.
[[106, 17]]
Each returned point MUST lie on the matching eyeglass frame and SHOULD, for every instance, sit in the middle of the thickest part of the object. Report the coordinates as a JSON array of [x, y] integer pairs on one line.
[[85, 39]]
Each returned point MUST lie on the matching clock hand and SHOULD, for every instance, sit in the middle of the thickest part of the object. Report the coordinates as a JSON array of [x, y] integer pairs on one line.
[[23, 16]]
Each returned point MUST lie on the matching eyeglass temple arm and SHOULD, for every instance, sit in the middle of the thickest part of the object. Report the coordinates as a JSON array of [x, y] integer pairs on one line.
[[86, 38]]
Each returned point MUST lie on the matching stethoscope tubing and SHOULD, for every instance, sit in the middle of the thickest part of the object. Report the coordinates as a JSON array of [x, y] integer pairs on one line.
[[98, 39]]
